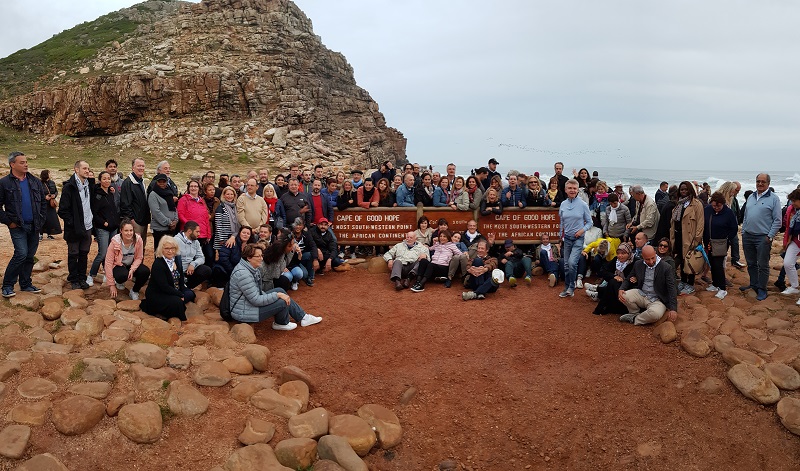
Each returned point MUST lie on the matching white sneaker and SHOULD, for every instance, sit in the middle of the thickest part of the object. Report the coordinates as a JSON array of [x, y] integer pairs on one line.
[[790, 290], [712, 288], [588, 272], [721, 294], [89, 280], [294, 286], [593, 295], [134, 295], [309, 319], [590, 287], [289, 326], [120, 286], [798, 302], [579, 283]]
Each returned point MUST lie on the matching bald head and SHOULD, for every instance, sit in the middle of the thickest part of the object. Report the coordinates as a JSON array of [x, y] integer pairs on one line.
[[649, 255]]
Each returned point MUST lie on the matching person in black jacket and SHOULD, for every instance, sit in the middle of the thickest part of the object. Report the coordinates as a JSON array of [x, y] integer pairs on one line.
[[133, 199], [166, 295], [720, 223], [52, 224], [105, 221], [75, 210], [305, 255], [651, 287], [613, 274], [23, 205], [424, 192], [327, 252]]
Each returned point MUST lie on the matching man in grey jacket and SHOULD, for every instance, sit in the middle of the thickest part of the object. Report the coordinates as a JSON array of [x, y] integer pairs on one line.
[[651, 286], [646, 217], [762, 219], [191, 254], [616, 224], [403, 260]]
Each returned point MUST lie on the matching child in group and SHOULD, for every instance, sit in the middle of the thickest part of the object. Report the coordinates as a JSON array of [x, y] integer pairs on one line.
[[457, 240]]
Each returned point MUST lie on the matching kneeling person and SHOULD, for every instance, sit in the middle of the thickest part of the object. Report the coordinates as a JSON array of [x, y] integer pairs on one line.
[[191, 255], [651, 287]]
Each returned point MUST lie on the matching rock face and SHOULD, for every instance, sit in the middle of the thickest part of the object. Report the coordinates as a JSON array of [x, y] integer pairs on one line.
[[254, 64]]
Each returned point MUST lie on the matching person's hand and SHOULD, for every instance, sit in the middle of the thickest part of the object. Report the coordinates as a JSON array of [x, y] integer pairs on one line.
[[621, 296], [508, 195], [585, 255], [579, 233], [130, 275], [230, 242], [672, 315], [618, 279], [327, 266], [422, 256], [175, 199], [304, 209], [490, 237], [319, 255], [390, 263], [285, 298], [374, 204], [315, 264], [113, 290], [769, 239], [519, 204], [190, 270], [12, 225]]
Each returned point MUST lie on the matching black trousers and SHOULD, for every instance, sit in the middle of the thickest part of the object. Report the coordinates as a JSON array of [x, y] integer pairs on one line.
[[78, 256]]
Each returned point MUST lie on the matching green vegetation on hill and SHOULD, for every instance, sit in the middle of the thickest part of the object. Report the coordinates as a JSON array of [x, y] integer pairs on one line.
[[20, 71]]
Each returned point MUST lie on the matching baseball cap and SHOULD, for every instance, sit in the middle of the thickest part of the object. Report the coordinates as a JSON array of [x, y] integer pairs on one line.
[[494, 161], [509, 243], [323, 220]]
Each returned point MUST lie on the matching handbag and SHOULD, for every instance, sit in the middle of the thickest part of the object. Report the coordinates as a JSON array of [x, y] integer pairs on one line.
[[693, 262], [719, 247], [53, 202]]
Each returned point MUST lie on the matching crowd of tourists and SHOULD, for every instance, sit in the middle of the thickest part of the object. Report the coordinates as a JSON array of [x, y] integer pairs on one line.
[[260, 237]]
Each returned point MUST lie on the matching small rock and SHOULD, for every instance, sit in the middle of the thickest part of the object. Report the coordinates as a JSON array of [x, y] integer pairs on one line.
[[147, 354], [753, 383], [789, 412], [97, 390], [148, 379], [734, 356], [99, 369], [185, 399], [243, 333], [408, 395], [270, 401], [76, 301], [328, 465], [254, 457], [296, 453], [695, 344], [296, 390], [335, 448], [244, 390], [722, 343], [164, 337], [26, 300], [311, 424], [291, 373], [52, 309], [29, 413], [49, 347], [212, 373], [72, 315], [384, 422], [14, 440], [43, 462], [711, 385], [9, 369], [115, 334], [257, 355], [36, 388], [666, 332], [256, 431], [71, 338], [130, 305], [223, 340], [179, 357], [116, 402], [448, 465], [356, 430], [77, 414], [141, 423], [191, 339], [238, 365], [784, 376]]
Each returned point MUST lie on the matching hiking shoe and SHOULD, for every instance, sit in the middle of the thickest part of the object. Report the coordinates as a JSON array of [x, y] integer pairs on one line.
[[593, 295], [448, 283], [738, 264], [289, 326], [681, 286], [745, 288], [712, 288], [295, 286], [629, 318], [528, 280], [468, 295], [75, 286], [721, 294], [579, 283], [512, 282], [89, 280], [590, 287], [398, 285], [309, 282], [83, 285], [120, 286], [134, 295], [551, 278], [309, 319], [762, 295], [417, 288], [779, 285], [31, 289], [8, 292], [688, 290], [790, 291], [567, 293], [480, 296]]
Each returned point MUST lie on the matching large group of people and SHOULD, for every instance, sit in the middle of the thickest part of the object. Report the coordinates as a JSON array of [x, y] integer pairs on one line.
[[259, 238]]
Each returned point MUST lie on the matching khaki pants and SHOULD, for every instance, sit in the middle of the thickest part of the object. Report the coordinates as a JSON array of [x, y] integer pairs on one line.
[[635, 300], [142, 231], [459, 262]]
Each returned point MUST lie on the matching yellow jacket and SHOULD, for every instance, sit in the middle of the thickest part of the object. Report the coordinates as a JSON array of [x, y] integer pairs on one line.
[[613, 243]]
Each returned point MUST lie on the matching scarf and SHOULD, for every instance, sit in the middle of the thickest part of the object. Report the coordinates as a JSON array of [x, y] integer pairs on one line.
[[368, 194], [454, 194], [165, 194], [552, 194], [428, 190], [471, 193], [229, 210], [620, 267], [549, 249], [271, 202], [677, 212], [612, 214]]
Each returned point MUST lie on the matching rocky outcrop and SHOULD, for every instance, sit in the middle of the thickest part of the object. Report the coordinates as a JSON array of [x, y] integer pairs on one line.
[[253, 68]]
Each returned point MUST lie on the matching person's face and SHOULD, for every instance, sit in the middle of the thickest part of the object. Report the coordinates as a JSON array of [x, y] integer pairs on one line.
[[408, 169], [416, 169], [256, 260], [409, 179], [269, 192], [210, 191], [641, 240], [457, 237], [426, 180], [442, 227], [138, 168], [491, 195], [316, 187], [411, 238], [472, 183], [618, 189], [83, 170], [280, 181], [161, 183], [442, 238], [307, 175], [458, 184], [583, 175], [493, 166], [615, 204], [762, 183], [649, 257], [245, 235], [293, 186], [472, 226], [332, 187], [664, 187], [318, 173], [323, 226], [571, 190], [663, 247], [382, 186], [298, 229], [264, 233], [495, 184], [717, 207], [169, 251], [236, 182], [368, 185], [435, 178], [451, 170], [623, 256], [397, 180], [127, 232], [683, 190], [263, 176], [229, 195], [112, 169], [512, 181], [194, 189], [340, 177], [105, 181], [533, 185], [357, 177], [252, 186], [482, 250], [192, 234], [796, 204], [166, 169], [444, 183], [423, 225], [558, 168], [252, 174], [347, 186], [294, 172], [545, 239]]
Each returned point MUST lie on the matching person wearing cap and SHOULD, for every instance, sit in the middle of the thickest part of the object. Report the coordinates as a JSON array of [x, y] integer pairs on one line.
[[163, 210], [357, 178], [514, 263], [492, 170], [480, 280], [620, 191], [23, 206], [403, 260], [327, 252]]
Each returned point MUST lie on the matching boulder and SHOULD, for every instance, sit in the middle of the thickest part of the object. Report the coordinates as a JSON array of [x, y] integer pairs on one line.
[[754, 383], [8, 369], [244, 390], [722, 343], [149, 379], [26, 300], [789, 412], [784, 376], [311, 424], [356, 430], [77, 414], [243, 333], [71, 338], [14, 440], [223, 340], [91, 325], [254, 457], [147, 354], [185, 399], [734, 356], [43, 462], [666, 332], [296, 390], [695, 344], [296, 453], [238, 365], [256, 431], [98, 390], [72, 315], [36, 388], [129, 305], [29, 413], [212, 373], [270, 401], [52, 309], [291, 373], [141, 423], [384, 422], [99, 369], [337, 449], [257, 355], [377, 265]]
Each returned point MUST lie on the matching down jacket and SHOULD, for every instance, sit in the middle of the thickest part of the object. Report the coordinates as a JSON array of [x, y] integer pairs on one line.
[[246, 294]]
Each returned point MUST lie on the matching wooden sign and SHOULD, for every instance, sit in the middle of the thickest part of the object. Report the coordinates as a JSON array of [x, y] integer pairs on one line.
[[521, 225], [375, 226]]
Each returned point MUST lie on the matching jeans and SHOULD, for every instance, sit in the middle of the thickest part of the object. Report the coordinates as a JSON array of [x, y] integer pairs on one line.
[[549, 266], [572, 253], [294, 274], [756, 254], [735, 250], [307, 262], [518, 268], [78, 256], [208, 252], [103, 238], [200, 274], [717, 266], [140, 276], [280, 310], [26, 242], [482, 284]]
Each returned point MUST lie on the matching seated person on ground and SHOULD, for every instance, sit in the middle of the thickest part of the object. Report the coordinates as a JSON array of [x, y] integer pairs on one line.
[[612, 274], [403, 260], [327, 251], [274, 271], [549, 260], [166, 295], [479, 274], [651, 287], [514, 263], [124, 259], [229, 257], [191, 255], [443, 250], [424, 231]]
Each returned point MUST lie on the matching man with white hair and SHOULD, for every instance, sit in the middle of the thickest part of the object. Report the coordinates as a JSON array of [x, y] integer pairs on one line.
[[646, 216], [576, 219], [403, 260], [762, 219]]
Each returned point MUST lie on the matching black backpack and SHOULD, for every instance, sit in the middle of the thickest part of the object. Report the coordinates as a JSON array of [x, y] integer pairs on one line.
[[225, 303]]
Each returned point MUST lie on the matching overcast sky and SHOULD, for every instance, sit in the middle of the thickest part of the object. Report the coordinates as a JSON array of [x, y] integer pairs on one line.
[[615, 83]]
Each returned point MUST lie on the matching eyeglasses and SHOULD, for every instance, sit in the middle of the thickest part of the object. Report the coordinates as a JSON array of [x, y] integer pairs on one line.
[[663, 245]]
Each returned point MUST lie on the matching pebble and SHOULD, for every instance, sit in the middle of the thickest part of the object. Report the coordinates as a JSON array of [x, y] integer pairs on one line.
[[711, 385], [184, 399], [77, 414], [311, 424], [212, 373], [356, 430], [256, 431], [141, 423], [789, 413], [337, 449], [36, 388], [257, 355], [753, 383], [296, 453], [14, 440], [296, 390], [408, 395]]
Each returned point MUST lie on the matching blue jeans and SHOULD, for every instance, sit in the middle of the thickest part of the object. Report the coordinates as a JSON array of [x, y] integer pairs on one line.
[[26, 242], [735, 249], [518, 268], [482, 284], [756, 252], [280, 310], [307, 263], [572, 254], [549, 266], [294, 274], [103, 238]]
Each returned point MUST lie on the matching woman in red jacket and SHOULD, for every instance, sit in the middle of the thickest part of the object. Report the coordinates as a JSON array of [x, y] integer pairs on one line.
[[192, 207]]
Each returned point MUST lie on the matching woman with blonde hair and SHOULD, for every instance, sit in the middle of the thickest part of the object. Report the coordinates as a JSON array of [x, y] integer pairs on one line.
[[166, 295]]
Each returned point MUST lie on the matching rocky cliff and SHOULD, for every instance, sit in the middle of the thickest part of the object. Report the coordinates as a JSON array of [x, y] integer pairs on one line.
[[222, 77]]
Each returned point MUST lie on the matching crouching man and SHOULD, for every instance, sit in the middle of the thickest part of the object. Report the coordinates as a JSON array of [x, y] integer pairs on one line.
[[649, 291], [403, 260]]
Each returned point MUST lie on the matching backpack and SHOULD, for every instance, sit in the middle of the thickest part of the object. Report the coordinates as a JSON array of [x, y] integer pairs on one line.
[[225, 306]]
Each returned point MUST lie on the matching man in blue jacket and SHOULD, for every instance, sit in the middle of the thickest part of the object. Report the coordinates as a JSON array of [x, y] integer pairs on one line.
[[762, 219], [22, 209]]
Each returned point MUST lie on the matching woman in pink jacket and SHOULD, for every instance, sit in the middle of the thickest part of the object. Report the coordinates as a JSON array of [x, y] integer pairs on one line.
[[124, 261], [443, 249], [192, 207]]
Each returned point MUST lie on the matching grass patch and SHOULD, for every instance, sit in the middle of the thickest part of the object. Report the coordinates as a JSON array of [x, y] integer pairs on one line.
[[165, 384], [77, 371], [57, 325], [166, 412], [118, 356]]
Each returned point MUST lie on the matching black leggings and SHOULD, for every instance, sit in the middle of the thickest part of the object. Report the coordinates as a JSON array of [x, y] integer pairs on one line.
[[140, 276]]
